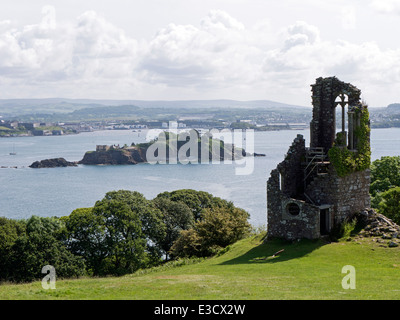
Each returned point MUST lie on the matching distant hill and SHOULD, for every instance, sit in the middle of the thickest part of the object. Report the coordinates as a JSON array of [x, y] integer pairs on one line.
[[15, 107], [393, 108]]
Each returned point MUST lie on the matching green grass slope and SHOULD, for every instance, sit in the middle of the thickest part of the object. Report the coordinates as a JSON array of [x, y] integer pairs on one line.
[[247, 271]]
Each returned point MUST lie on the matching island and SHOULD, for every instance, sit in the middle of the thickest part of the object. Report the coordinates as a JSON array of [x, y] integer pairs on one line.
[[166, 148], [53, 163]]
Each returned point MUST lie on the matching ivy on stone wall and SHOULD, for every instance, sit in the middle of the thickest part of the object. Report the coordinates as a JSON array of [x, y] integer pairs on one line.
[[346, 161]]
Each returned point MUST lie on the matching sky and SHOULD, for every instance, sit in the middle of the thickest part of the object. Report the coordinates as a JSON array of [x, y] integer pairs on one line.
[[198, 49]]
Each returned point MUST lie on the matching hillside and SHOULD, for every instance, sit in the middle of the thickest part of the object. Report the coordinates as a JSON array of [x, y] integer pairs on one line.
[[57, 106], [247, 271]]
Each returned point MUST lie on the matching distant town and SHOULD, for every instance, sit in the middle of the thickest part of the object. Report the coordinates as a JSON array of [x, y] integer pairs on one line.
[[25, 129], [258, 116]]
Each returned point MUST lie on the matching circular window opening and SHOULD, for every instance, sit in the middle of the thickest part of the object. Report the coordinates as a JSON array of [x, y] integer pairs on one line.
[[293, 209]]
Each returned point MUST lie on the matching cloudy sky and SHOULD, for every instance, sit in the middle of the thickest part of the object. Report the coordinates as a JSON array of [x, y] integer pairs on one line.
[[198, 49]]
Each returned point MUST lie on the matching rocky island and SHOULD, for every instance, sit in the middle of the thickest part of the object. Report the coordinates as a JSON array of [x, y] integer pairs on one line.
[[166, 148], [53, 163], [114, 155]]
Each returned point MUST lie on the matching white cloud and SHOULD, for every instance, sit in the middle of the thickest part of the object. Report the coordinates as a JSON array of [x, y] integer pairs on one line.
[[386, 6], [363, 64], [210, 55], [220, 58], [349, 19], [87, 48]]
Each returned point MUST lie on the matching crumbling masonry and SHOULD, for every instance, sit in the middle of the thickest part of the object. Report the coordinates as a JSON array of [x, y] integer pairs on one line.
[[308, 193]]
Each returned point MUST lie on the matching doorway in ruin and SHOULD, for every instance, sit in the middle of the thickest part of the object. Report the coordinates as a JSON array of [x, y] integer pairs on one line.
[[325, 225]]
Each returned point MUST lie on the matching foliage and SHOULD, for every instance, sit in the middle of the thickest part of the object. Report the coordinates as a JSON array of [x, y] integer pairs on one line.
[[176, 216], [124, 242], [385, 174], [197, 201], [41, 244], [389, 204], [10, 231], [218, 228], [86, 236], [346, 161], [124, 232], [119, 235]]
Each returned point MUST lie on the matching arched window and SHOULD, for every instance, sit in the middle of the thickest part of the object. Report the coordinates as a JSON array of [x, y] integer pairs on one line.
[[342, 100]]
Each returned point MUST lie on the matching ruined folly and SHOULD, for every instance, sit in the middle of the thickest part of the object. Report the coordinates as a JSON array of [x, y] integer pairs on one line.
[[318, 187]]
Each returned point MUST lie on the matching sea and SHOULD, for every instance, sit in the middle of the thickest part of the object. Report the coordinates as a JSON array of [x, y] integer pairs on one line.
[[57, 192]]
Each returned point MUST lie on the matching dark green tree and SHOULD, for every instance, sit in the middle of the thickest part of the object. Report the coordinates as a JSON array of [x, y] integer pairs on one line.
[[124, 242], [10, 231], [86, 237], [385, 174], [176, 216], [389, 204], [152, 226], [197, 201], [41, 245]]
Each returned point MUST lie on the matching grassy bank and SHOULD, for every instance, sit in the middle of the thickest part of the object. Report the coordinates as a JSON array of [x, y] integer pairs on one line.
[[304, 270]]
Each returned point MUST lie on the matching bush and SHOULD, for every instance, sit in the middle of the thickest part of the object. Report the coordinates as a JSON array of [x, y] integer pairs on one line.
[[217, 229]]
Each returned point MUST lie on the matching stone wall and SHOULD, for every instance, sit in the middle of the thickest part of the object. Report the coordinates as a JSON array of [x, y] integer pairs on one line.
[[324, 93], [282, 221], [289, 216], [291, 171], [347, 195]]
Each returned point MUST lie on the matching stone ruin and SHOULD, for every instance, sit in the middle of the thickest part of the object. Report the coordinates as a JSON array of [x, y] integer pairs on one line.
[[306, 197]]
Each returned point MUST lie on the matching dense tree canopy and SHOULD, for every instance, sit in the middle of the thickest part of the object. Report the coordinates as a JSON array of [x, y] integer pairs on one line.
[[197, 201], [120, 234], [385, 174], [385, 187], [41, 244]]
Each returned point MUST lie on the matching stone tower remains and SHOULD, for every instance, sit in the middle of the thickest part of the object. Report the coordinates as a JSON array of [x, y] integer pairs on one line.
[[318, 187]]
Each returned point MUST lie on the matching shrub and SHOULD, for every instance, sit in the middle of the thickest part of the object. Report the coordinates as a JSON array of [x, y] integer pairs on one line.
[[217, 229]]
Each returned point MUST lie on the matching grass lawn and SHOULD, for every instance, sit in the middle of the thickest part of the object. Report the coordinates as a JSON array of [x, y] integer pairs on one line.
[[304, 270]]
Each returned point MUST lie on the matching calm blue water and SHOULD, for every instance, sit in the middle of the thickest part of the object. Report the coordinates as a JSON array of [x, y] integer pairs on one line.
[[56, 192]]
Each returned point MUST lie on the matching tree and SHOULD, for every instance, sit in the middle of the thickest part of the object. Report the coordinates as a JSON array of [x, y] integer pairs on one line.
[[218, 228], [120, 234], [152, 227], [10, 231], [123, 241], [385, 174], [86, 237], [197, 201], [389, 204], [41, 245], [177, 217]]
